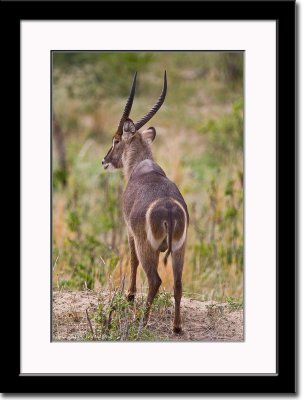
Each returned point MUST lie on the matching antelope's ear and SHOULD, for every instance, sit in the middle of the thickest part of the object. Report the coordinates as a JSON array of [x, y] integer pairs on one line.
[[149, 134], [129, 129]]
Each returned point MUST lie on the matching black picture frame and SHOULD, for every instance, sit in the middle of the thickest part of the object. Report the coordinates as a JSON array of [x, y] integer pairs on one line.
[[12, 12]]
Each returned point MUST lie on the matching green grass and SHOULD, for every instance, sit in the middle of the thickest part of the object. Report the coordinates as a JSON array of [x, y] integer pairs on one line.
[[117, 320]]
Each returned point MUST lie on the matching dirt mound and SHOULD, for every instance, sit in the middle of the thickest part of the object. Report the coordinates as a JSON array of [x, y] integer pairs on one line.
[[202, 321]]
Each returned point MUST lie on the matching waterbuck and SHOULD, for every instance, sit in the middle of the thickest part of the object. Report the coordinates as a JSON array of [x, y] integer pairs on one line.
[[154, 210]]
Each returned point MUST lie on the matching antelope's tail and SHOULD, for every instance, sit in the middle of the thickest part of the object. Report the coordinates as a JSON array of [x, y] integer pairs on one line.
[[169, 235]]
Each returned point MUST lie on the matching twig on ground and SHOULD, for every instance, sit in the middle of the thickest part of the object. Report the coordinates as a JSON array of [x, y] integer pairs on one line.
[[111, 310], [90, 324]]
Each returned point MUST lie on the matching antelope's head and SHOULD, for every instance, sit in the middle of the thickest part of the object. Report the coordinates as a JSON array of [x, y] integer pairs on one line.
[[128, 130]]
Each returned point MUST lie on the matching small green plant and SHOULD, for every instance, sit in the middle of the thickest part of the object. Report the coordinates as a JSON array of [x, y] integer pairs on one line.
[[117, 319], [162, 301], [88, 336], [234, 303]]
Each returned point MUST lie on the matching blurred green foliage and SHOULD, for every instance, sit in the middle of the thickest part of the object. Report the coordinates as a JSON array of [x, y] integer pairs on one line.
[[199, 144]]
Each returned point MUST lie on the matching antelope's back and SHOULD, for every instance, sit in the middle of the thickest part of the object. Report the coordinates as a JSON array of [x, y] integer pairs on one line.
[[147, 184]]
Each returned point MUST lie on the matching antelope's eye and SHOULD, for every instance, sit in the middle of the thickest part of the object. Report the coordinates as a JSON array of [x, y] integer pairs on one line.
[[116, 141]]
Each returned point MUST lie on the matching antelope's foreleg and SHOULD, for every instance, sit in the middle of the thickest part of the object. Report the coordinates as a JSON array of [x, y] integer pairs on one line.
[[134, 262]]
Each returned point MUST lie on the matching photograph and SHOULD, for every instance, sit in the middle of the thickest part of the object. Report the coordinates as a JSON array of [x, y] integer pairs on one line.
[[157, 198], [147, 210]]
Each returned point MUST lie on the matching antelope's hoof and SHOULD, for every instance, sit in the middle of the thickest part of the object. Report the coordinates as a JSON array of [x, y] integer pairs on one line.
[[177, 329], [130, 297]]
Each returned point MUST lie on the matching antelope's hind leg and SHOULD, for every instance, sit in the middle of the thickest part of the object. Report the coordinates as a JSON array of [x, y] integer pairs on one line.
[[149, 260], [134, 262], [178, 261]]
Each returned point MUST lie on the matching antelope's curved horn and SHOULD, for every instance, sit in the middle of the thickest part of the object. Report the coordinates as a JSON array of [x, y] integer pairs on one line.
[[155, 108], [128, 105]]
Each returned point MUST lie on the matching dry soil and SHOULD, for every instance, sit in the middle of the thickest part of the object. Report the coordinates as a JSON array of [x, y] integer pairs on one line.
[[202, 321]]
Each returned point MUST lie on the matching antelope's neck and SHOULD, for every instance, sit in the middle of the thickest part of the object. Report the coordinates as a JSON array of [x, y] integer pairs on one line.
[[135, 154]]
